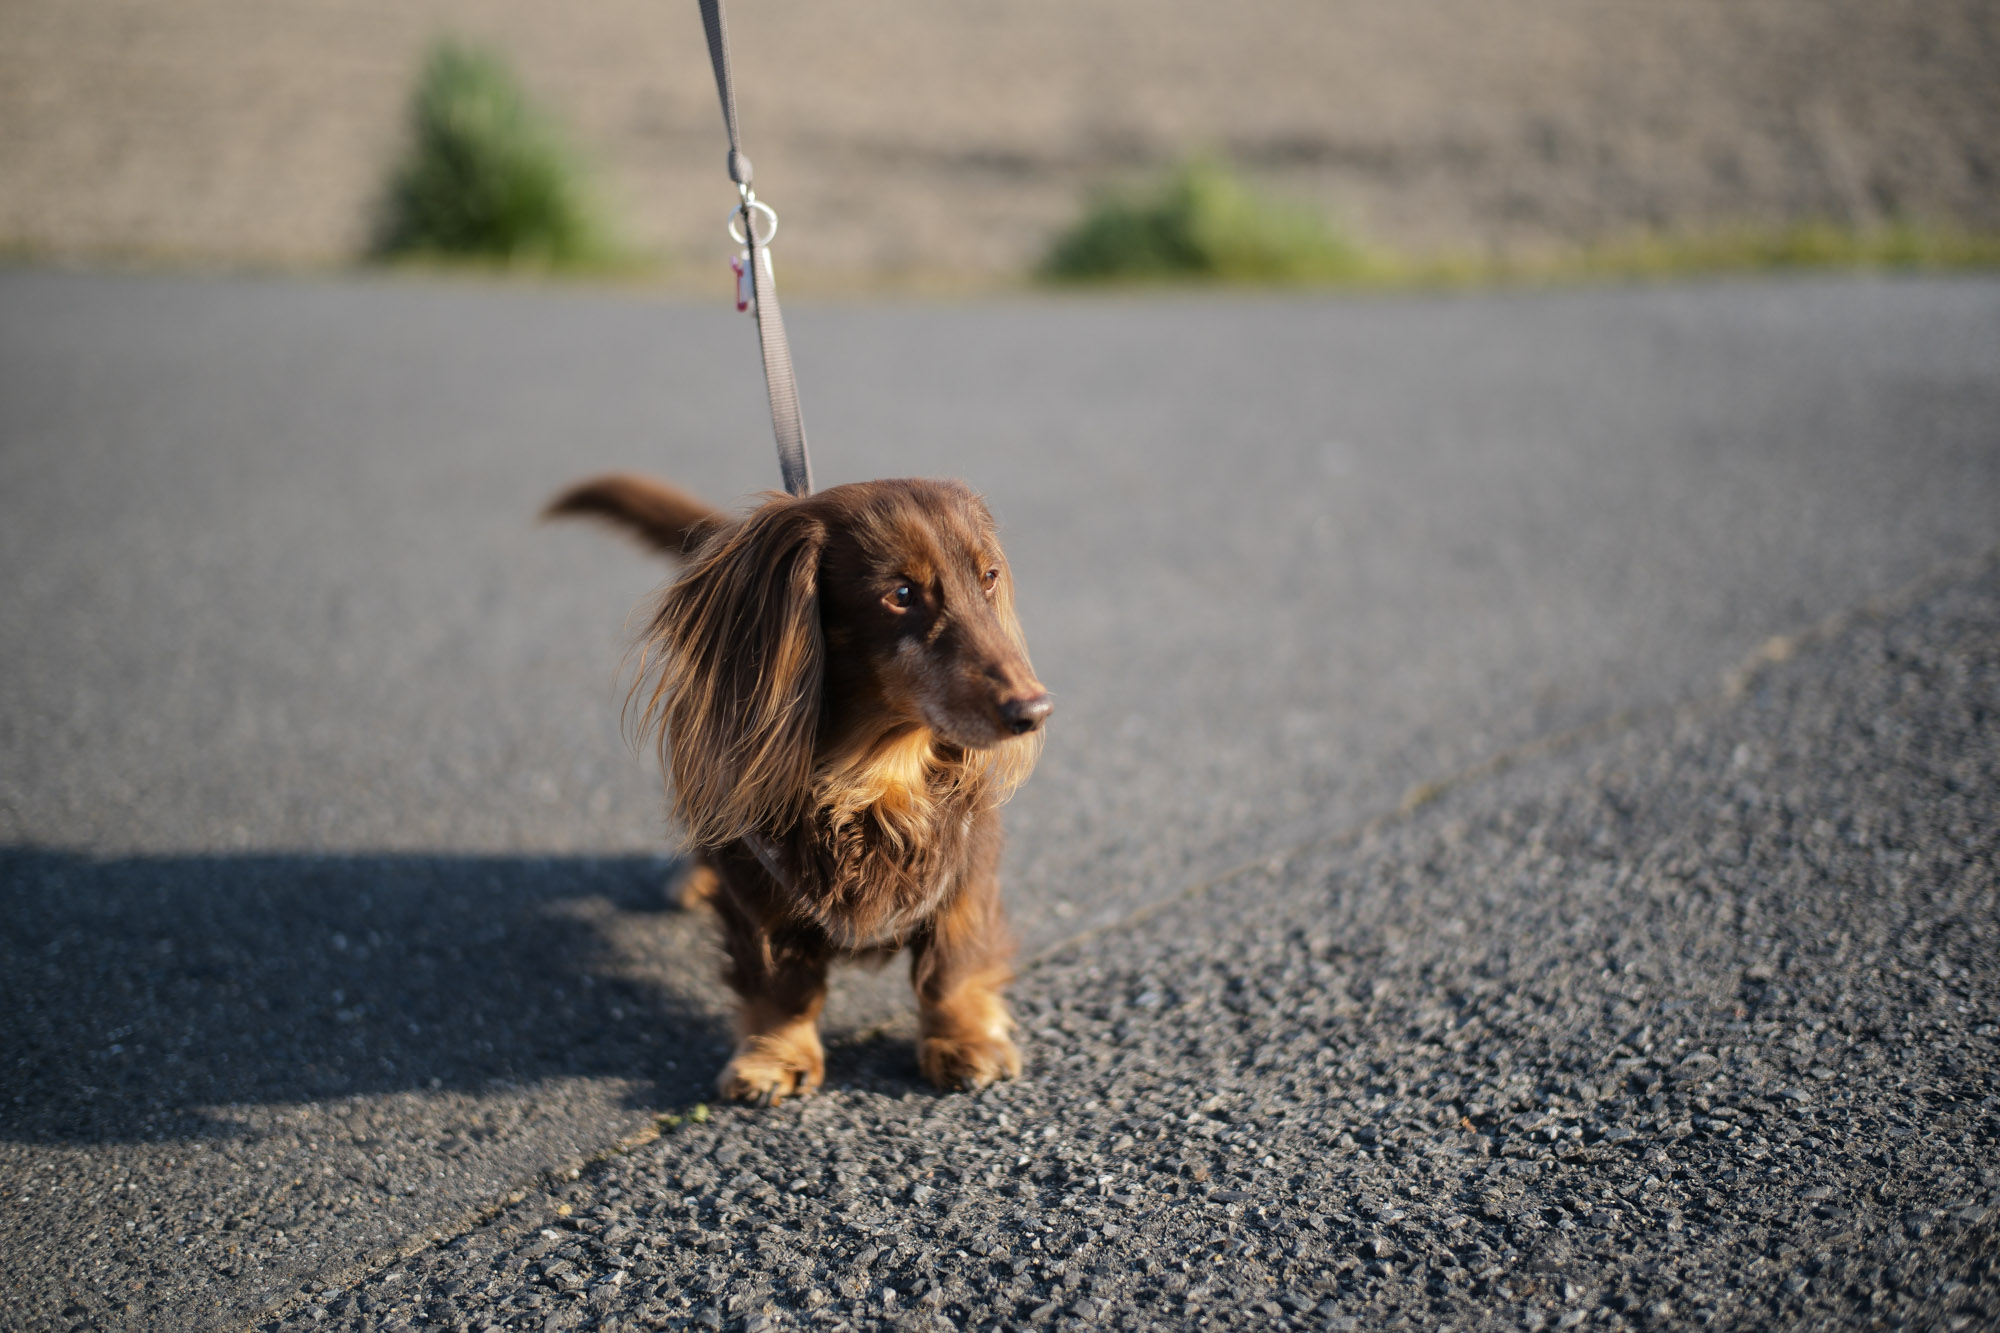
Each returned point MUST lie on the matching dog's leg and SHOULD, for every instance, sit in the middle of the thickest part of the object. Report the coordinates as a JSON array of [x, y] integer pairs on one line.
[[959, 968], [778, 1053], [780, 986]]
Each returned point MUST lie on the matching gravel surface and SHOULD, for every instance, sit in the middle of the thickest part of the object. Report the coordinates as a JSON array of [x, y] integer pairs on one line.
[[1690, 1025]]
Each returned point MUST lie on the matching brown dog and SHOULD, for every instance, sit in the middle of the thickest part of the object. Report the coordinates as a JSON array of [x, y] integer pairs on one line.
[[843, 700]]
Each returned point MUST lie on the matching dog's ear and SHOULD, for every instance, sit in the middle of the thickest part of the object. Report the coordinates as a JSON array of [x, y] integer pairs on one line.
[[737, 663]]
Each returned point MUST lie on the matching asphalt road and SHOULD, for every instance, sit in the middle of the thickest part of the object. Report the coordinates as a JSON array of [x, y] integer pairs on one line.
[[1686, 1025], [333, 913]]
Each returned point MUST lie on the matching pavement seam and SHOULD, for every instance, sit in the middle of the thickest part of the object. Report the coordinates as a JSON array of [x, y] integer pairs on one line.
[[1735, 683], [437, 1237]]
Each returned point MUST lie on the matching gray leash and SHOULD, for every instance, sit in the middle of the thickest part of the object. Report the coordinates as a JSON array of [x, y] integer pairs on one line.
[[762, 294]]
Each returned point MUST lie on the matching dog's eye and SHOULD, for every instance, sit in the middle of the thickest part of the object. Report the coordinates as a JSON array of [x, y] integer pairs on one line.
[[990, 579], [902, 596]]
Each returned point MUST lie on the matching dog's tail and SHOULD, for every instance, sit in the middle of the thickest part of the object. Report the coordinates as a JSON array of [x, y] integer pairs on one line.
[[663, 517]]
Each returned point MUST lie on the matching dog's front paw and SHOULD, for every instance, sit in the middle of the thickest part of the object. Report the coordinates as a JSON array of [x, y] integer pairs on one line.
[[765, 1070], [962, 1064]]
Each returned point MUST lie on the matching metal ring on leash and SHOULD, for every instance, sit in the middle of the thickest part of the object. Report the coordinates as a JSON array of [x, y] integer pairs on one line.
[[744, 208]]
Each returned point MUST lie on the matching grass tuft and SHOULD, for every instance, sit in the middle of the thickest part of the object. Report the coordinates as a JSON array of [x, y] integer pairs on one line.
[[487, 175], [1201, 224], [1802, 246]]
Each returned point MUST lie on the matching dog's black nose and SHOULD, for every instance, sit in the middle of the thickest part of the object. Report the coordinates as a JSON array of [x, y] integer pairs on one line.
[[1024, 715]]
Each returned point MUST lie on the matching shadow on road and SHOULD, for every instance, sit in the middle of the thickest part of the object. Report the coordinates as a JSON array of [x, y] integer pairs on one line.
[[143, 994]]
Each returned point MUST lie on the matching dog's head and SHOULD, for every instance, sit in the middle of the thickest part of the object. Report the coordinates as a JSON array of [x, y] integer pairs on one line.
[[834, 632]]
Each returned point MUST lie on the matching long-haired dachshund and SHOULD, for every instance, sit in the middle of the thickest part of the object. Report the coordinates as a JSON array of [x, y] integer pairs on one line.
[[843, 699]]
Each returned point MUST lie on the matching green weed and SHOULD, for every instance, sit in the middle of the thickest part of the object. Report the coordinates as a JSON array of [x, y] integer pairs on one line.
[[1201, 224], [487, 175]]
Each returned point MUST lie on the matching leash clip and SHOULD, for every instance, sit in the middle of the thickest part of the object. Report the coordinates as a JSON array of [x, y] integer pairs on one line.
[[743, 262]]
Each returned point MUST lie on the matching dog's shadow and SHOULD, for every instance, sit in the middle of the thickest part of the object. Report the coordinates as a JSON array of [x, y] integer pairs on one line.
[[143, 993]]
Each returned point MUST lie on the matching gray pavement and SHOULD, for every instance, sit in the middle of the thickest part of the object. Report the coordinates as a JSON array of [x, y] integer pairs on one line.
[[333, 897], [1690, 1025]]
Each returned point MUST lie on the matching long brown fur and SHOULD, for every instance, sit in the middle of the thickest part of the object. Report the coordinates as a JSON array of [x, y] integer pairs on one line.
[[663, 517], [842, 699]]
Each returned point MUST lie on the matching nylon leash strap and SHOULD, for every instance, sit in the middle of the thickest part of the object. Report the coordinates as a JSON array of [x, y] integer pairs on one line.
[[787, 425]]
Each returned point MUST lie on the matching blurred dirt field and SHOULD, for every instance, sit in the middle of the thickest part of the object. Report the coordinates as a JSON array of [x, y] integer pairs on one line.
[[906, 138]]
